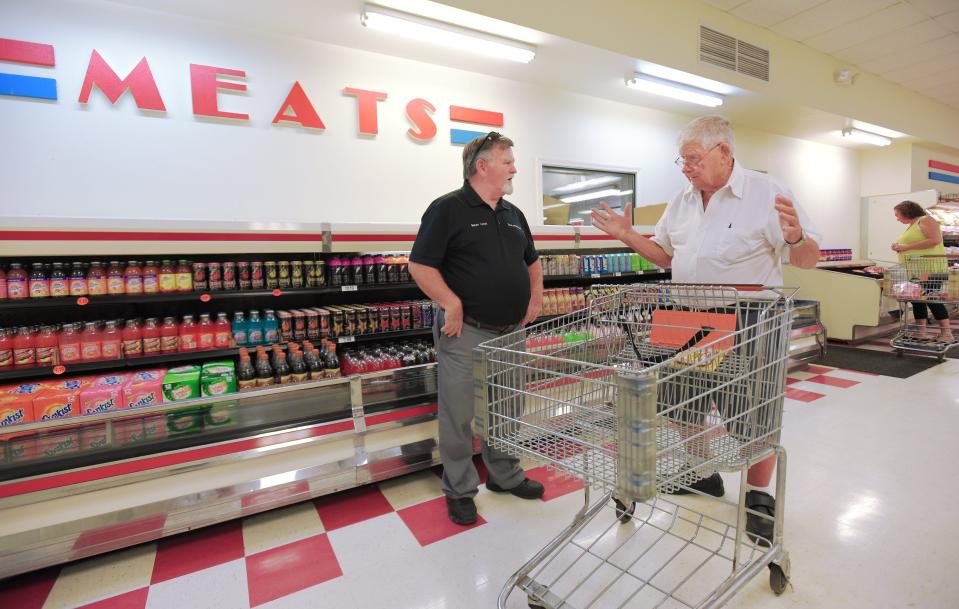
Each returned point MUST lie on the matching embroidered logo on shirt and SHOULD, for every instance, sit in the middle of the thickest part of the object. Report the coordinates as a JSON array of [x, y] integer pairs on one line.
[[479, 224]]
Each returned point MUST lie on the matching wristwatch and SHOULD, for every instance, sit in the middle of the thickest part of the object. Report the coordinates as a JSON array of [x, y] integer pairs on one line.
[[802, 239]]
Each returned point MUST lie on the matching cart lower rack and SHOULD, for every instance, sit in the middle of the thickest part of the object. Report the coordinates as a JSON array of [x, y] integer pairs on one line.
[[646, 391]]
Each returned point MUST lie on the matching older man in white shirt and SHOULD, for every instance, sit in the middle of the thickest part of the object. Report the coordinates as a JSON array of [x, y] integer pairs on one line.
[[730, 225]]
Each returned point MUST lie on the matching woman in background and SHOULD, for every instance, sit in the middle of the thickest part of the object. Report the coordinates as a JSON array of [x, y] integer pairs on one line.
[[922, 238]]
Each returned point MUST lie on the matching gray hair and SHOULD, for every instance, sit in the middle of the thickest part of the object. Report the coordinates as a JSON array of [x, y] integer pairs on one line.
[[477, 148], [708, 131]]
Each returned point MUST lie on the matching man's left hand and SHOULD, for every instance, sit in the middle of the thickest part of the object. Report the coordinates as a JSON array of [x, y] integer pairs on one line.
[[788, 220], [533, 310]]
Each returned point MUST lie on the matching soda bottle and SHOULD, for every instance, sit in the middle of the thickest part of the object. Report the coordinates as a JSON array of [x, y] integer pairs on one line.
[[24, 348], [90, 342], [331, 367], [132, 339], [264, 372], [17, 283], [69, 343], [254, 329], [133, 278], [298, 369], [111, 341], [239, 329], [314, 365], [205, 332], [184, 276], [96, 280], [3, 284], [245, 373], [151, 336], [115, 282], [271, 327], [167, 276], [39, 282], [336, 275], [78, 280], [188, 334], [222, 332], [6, 349], [169, 336], [281, 369], [151, 277], [59, 286], [46, 346]]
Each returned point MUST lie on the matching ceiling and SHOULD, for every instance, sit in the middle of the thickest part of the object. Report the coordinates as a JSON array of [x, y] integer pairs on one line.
[[914, 43]]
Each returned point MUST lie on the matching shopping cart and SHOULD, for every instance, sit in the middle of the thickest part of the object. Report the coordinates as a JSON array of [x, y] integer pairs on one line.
[[639, 395], [926, 279]]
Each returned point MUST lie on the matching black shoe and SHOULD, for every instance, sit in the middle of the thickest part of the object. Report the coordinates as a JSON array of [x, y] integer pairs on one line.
[[758, 528], [527, 489], [461, 511], [713, 485]]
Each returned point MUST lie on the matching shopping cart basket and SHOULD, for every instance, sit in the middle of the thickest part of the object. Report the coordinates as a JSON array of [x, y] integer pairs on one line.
[[641, 394], [925, 279]]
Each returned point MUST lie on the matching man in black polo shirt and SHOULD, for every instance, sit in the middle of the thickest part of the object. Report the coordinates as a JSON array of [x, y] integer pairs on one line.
[[474, 257]]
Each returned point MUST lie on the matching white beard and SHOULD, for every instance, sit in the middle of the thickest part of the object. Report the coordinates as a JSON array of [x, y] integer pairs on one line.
[[508, 187]]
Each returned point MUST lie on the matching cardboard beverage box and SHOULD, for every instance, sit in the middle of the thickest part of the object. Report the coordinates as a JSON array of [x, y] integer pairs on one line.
[[127, 431], [58, 442], [154, 427], [49, 405], [218, 378], [93, 437], [184, 420], [15, 409], [182, 383], [221, 414], [21, 447], [100, 398]]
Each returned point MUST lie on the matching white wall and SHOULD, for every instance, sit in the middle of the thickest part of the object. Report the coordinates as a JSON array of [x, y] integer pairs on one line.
[[920, 169], [106, 161], [886, 170]]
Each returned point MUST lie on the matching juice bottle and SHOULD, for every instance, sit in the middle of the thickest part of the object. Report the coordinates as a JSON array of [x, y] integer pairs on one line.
[[115, 283], [17, 284], [239, 329], [184, 276], [298, 369], [78, 280], [69, 343], [132, 339], [90, 343], [39, 282], [167, 276], [59, 286], [46, 346], [169, 335], [221, 332], [151, 277], [3, 284], [264, 371], [204, 333], [271, 327], [151, 336], [24, 348], [188, 334], [96, 280], [254, 329], [245, 372], [6, 349], [133, 278], [111, 341], [281, 369]]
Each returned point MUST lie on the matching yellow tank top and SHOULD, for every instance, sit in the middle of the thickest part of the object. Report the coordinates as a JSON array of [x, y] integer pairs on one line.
[[914, 234]]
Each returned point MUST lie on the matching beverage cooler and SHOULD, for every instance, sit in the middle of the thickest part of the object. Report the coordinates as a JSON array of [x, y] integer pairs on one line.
[[159, 379]]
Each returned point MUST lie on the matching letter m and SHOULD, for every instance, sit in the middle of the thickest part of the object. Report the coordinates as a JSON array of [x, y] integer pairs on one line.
[[139, 81]]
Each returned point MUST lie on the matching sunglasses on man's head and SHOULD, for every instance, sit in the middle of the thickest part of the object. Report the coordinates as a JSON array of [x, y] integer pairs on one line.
[[492, 136]]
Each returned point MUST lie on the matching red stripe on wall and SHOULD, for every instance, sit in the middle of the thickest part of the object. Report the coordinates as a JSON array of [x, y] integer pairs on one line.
[[473, 115], [397, 415], [101, 472], [33, 53], [373, 237], [34, 235], [945, 166]]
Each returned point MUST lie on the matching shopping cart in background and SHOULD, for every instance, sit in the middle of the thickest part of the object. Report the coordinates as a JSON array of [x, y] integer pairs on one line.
[[926, 279], [640, 394]]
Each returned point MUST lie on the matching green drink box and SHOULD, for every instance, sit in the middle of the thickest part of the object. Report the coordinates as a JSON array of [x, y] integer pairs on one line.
[[218, 378], [181, 383]]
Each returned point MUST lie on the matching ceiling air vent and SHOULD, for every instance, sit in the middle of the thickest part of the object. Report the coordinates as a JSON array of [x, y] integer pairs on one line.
[[727, 52]]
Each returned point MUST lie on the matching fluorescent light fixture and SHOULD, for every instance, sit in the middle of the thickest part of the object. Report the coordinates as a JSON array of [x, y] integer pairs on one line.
[[446, 34], [585, 184], [599, 194], [877, 129], [858, 135], [675, 90], [654, 69], [554, 205]]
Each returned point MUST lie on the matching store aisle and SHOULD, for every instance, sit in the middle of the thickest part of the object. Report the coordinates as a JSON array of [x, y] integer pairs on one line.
[[868, 524]]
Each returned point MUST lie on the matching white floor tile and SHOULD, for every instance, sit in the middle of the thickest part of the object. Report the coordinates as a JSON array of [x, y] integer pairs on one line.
[[220, 587]]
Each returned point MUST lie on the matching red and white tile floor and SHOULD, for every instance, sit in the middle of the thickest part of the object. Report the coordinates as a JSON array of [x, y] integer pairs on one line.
[[862, 449]]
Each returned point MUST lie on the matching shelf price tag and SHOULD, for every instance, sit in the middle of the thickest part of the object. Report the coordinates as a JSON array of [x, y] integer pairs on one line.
[[59, 369], [277, 292], [594, 275], [346, 339], [205, 298], [349, 288], [83, 301], [617, 274]]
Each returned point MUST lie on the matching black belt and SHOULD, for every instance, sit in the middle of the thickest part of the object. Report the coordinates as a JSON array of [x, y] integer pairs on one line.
[[479, 325]]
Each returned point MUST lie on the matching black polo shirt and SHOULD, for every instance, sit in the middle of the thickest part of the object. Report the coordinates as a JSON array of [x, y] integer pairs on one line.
[[482, 254]]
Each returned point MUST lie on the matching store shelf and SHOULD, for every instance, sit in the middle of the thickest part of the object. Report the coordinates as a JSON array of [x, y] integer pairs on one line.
[[605, 277], [17, 374], [381, 336]]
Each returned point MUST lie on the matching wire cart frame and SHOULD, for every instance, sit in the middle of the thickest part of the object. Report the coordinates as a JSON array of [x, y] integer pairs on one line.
[[925, 279], [641, 394]]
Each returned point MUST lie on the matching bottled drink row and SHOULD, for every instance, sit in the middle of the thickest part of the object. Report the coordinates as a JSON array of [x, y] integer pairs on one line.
[[61, 279], [575, 264], [300, 363], [374, 358]]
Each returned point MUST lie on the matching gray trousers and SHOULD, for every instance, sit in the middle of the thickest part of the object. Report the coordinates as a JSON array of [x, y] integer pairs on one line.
[[454, 357]]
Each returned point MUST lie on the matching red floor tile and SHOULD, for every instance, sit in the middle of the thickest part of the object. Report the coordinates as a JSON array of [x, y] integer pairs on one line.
[[290, 568], [28, 591], [817, 370], [136, 599], [832, 381], [803, 396], [352, 506], [791, 381], [197, 550], [429, 522], [556, 484]]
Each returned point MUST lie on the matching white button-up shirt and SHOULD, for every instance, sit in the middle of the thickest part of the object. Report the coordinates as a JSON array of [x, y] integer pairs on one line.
[[736, 239]]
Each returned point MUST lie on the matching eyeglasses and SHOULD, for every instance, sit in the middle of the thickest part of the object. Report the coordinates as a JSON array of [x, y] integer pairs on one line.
[[492, 136], [693, 161]]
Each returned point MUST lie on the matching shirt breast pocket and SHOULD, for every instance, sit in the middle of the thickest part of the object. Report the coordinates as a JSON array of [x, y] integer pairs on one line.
[[737, 245]]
